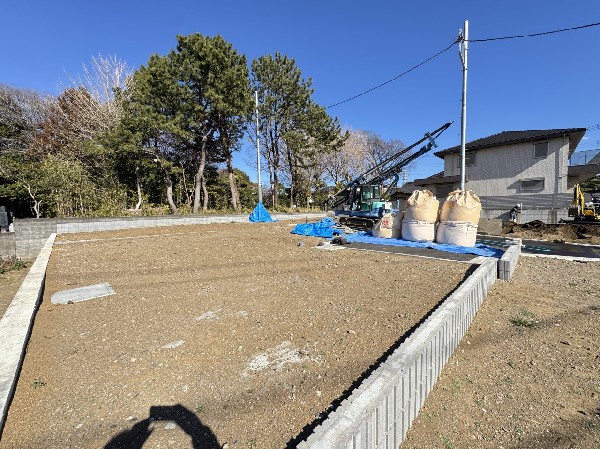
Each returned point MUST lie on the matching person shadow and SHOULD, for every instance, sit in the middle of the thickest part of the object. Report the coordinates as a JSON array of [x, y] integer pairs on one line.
[[136, 437]]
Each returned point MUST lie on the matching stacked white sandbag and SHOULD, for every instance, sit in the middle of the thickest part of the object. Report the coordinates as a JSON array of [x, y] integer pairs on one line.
[[459, 219], [389, 227], [420, 216]]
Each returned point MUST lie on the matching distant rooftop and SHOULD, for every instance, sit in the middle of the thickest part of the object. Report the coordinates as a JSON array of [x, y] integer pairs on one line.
[[514, 137]]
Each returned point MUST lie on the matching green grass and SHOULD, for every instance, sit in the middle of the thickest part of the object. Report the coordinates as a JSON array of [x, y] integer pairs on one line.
[[11, 264], [38, 383], [525, 318], [446, 442]]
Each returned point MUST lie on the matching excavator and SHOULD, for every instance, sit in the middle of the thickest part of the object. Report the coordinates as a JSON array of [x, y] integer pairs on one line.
[[582, 211], [363, 201]]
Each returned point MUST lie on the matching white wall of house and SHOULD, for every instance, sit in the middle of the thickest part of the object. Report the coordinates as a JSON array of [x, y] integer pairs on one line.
[[501, 171]]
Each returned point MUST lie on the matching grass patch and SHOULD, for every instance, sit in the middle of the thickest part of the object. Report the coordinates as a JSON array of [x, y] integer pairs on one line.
[[11, 264], [38, 383], [525, 318], [446, 442]]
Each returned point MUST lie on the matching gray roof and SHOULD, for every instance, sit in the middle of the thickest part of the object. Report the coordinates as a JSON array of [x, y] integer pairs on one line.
[[514, 137]]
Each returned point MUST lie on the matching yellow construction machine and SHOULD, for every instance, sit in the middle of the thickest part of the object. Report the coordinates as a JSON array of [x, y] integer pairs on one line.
[[582, 211]]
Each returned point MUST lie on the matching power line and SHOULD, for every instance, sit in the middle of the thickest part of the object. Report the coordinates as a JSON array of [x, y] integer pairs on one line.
[[396, 77], [458, 40], [518, 36]]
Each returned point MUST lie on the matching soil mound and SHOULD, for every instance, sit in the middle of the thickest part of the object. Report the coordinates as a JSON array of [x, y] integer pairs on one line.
[[563, 232]]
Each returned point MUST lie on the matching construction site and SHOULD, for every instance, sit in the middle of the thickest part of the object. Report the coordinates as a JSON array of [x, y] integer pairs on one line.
[[248, 335], [372, 327]]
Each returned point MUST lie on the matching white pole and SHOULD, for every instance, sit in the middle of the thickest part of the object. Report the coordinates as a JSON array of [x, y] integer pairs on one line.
[[258, 151], [463, 118]]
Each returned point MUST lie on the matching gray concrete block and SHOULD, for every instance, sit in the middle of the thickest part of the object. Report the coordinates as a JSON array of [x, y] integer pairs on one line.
[[15, 326]]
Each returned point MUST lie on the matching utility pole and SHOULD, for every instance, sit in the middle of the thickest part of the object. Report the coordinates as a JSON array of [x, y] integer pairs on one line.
[[463, 47], [258, 151]]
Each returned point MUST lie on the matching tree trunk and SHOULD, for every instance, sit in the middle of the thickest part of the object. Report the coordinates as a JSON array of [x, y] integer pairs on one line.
[[199, 182], [204, 195], [138, 187], [36, 208], [275, 189], [169, 183], [235, 194], [291, 166]]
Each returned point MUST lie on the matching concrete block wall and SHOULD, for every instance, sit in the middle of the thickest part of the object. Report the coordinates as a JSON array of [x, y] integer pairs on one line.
[[508, 262], [111, 224], [7, 244], [15, 326], [31, 234], [380, 411]]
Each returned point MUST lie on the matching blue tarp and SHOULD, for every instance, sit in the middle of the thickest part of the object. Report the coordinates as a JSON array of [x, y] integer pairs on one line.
[[323, 228], [260, 215], [478, 249]]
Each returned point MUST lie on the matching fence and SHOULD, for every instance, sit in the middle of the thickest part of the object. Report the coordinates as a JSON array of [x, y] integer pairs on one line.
[[528, 201]]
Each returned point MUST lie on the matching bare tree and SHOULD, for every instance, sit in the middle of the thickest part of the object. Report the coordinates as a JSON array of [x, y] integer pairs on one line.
[[22, 112], [350, 161]]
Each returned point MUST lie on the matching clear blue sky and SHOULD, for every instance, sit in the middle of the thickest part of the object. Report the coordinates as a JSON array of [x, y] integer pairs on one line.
[[347, 47]]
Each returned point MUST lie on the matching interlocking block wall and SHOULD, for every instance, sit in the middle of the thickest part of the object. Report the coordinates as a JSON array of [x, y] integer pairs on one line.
[[380, 411]]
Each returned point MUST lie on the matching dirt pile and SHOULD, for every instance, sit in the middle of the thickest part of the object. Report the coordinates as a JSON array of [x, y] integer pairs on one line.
[[563, 232]]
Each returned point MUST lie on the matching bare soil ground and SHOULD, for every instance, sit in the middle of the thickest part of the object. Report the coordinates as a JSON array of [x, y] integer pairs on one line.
[[233, 335], [527, 375], [257, 353], [10, 281], [565, 232]]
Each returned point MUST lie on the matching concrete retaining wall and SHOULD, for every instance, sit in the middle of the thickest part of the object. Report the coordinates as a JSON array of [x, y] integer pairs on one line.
[[7, 244], [31, 234], [379, 413], [508, 262], [15, 326]]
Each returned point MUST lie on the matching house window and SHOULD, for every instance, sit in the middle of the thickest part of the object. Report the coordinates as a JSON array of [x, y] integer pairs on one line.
[[532, 185], [470, 159], [540, 150]]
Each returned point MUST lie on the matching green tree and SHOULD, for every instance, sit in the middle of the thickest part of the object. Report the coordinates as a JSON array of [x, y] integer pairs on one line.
[[195, 101], [293, 128]]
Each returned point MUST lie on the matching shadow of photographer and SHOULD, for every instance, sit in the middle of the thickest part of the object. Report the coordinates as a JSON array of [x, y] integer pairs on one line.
[[201, 436]]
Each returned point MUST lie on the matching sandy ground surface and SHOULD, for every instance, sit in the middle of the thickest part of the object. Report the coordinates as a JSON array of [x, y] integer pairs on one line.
[[231, 335], [527, 375], [10, 281]]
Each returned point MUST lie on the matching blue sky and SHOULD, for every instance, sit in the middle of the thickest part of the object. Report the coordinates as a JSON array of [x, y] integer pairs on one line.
[[346, 48]]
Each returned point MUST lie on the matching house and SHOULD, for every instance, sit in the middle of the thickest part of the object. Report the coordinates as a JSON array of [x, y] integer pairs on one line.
[[527, 167]]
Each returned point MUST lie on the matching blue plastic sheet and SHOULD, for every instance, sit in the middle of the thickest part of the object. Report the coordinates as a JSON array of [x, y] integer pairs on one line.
[[260, 215], [478, 249], [323, 228]]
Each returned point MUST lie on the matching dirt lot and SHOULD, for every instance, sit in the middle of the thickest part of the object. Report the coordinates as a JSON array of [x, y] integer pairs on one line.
[[235, 335], [527, 375], [10, 281], [192, 352]]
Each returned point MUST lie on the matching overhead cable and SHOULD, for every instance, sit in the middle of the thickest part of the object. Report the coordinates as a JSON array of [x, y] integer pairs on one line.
[[518, 36], [398, 76], [460, 39]]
